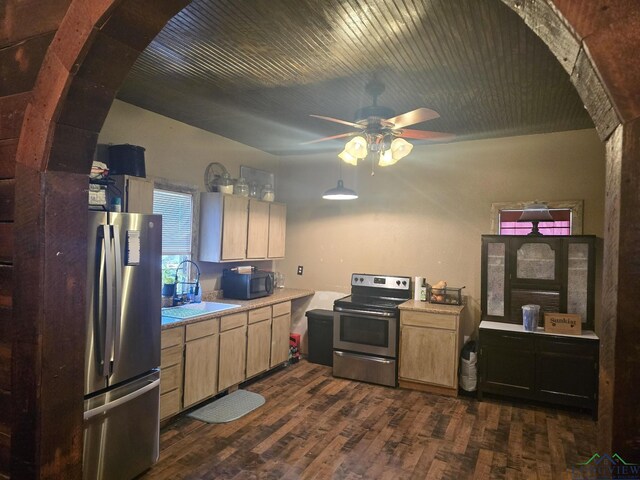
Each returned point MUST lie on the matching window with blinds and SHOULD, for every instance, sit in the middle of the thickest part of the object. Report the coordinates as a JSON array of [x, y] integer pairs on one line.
[[176, 209]]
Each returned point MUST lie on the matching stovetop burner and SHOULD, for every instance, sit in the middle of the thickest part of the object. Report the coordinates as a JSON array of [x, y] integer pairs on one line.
[[376, 292], [362, 301]]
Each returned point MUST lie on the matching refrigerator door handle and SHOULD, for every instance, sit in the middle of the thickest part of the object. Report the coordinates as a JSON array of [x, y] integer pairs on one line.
[[117, 314], [108, 338], [127, 398]]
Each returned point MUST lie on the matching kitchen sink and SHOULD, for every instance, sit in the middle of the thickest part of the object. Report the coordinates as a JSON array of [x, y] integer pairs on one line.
[[193, 310]]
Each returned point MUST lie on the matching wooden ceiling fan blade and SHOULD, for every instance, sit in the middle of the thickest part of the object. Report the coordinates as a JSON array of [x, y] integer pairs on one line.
[[337, 120], [414, 116], [426, 135], [342, 135]]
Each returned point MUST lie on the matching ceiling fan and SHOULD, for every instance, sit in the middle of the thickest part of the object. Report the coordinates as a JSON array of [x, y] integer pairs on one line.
[[381, 132]]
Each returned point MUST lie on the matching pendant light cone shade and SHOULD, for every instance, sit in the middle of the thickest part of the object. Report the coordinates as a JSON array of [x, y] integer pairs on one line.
[[348, 158], [356, 147], [340, 193]]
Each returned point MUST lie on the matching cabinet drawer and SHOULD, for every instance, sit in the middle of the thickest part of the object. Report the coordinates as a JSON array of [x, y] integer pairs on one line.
[[507, 339], [171, 337], [566, 345], [169, 404], [259, 314], [281, 309], [170, 378], [171, 356], [202, 329], [233, 321], [433, 320]]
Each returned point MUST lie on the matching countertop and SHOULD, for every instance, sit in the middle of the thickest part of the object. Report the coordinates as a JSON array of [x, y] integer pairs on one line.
[[280, 295], [515, 327], [426, 307]]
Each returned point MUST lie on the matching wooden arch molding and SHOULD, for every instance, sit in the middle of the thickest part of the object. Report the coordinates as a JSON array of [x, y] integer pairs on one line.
[[95, 44]]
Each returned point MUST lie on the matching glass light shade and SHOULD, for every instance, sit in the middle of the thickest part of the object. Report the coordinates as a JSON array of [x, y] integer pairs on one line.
[[348, 158], [400, 148], [340, 193], [386, 159], [356, 147]]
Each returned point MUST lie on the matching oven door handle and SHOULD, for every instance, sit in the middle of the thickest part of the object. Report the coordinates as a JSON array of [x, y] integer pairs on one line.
[[366, 357], [364, 312]]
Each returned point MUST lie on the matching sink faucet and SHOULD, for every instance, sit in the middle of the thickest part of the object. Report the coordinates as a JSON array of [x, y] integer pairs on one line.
[[194, 291]]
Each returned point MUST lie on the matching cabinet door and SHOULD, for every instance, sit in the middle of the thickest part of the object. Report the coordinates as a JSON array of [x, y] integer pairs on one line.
[[536, 261], [277, 229], [507, 363], [233, 354], [234, 227], [200, 369], [280, 330], [580, 274], [139, 195], [258, 230], [495, 280], [258, 347], [567, 371], [428, 355]]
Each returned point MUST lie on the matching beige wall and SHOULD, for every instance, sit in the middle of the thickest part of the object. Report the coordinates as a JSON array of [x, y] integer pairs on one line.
[[421, 217], [424, 216], [180, 153]]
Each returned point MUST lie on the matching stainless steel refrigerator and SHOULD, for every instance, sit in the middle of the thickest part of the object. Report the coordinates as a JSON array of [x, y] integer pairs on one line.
[[122, 356]]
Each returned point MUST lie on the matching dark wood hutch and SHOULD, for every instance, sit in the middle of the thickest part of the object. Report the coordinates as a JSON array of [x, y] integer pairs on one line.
[[557, 273]]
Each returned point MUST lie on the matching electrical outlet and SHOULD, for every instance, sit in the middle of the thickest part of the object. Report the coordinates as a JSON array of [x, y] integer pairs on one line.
[[300, 268]]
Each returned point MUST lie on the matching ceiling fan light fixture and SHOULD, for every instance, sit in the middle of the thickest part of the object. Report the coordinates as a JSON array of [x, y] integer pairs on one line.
[[340, 193], [356, 147], [348, 158], [400, 148], [386, 159]]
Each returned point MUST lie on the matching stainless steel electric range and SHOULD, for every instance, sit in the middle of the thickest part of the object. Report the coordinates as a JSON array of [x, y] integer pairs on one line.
[[365, 328]]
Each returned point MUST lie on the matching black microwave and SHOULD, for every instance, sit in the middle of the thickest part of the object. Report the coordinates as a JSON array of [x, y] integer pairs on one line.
[[245, 286]]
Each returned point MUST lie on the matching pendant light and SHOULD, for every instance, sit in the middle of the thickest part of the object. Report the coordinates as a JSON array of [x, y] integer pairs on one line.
[[340, 192]]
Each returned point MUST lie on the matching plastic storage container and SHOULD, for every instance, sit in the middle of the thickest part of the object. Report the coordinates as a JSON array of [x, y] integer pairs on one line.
[[530, 317], [320, 331]]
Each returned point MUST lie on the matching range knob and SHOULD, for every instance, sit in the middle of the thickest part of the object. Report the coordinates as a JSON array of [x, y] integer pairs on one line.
[[404, 282], [361, 279], [397, 282]]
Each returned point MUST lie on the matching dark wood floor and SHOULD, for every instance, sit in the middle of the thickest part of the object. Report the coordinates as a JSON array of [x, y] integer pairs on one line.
[[317, 426]]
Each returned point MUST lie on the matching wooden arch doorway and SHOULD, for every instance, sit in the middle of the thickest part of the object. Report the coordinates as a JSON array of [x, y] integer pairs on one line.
[[92, 50]]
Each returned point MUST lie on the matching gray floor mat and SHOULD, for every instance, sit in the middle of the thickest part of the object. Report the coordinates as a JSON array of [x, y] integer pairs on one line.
[[228, 408]]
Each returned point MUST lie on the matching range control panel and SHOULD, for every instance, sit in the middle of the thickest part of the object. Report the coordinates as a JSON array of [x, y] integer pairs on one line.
[[380, 281]]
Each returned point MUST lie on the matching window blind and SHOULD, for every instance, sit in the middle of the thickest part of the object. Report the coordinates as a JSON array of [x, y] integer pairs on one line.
[[177, 220]]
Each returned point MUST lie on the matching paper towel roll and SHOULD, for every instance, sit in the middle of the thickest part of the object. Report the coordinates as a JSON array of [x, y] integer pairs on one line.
[[417, 283]]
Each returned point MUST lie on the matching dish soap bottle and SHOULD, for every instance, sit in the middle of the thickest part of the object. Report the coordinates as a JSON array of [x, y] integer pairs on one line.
[[423, 291]]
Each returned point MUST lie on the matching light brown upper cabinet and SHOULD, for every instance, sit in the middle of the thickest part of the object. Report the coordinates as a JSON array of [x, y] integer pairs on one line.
[[136, 193], [277, 229], [258, 230], [236, 228]]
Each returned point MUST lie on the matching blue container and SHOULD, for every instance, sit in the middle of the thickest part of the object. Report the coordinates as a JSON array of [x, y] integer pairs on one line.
[[530, 315]]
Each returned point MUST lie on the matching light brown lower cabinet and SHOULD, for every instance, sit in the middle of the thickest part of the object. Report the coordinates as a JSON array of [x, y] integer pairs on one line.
[[172, 342], [430, 344], [280, 329], [200, 361], [206, 357], [233, 352], [200, 369], [258, 341]]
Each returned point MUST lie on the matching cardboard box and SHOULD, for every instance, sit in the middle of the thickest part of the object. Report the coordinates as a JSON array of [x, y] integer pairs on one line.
[[565, 323]]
